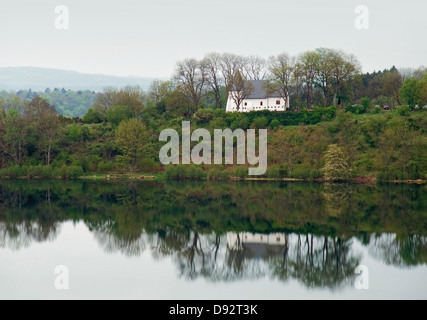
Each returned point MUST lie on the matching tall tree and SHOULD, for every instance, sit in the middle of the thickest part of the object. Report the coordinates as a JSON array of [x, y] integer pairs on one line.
[[239, 88], [410, 92], [190, 75], [345, 68], [283, 75], [230, 65], [45, 120], [14, 135], [255, 68], [159, 90], [132, 140], [130, 96], [392, 82], [307, 63], [325, 72], [214, 78]]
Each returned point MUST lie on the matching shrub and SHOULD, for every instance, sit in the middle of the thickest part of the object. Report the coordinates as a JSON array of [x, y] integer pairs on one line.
[[283, 170], [315, 174], [105, 166], [71, 172], [357, 109], [117, 114], [13, 172], [336, 167], [195, 172], [92, 116], [273, 172], [259, 123], [43, 172], [74, 172], [216, 174], [404, 111], [184, 172], [204, 115], [241, 172], [274, 124], [301, 174]]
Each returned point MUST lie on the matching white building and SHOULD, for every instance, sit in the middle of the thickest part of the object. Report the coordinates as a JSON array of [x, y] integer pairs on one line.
[[236, 240], [259, 99]]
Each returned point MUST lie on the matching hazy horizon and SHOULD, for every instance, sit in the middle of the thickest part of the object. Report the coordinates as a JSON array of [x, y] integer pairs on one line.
[[146, 38]]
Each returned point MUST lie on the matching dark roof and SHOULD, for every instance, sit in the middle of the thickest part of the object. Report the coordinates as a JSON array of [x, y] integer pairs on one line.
[[260, 91]]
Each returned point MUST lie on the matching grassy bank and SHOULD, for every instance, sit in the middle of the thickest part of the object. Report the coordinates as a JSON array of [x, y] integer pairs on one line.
[[177, 173]]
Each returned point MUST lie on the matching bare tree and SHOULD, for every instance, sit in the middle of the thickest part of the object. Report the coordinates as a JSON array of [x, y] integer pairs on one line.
[[283, 75], [239, 88], [408, 73], [214, 78], [344, 68], [230, 65], [255, 68], [191, 76], [307, 63], [105, 100]]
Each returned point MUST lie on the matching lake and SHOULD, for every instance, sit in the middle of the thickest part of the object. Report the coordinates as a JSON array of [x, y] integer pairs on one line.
[[200, 240]]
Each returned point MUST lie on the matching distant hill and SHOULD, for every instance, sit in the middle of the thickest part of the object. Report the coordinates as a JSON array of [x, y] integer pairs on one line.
[[38, 79]]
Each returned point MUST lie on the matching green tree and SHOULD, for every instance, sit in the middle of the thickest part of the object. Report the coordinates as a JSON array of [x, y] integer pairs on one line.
[[75, 133], [336, 166], [410, 92], [45, 120], [392, 82], [15, 132], [117, 114], [92, 116], [132, 140], [307, 64], [284, 75], [422, 89]]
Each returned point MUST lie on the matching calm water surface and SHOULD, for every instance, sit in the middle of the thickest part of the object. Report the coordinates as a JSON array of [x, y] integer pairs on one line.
[[212, 240]]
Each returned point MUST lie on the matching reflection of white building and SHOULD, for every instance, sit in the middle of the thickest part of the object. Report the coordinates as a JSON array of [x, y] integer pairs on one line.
[[259, 99], [257, 245]]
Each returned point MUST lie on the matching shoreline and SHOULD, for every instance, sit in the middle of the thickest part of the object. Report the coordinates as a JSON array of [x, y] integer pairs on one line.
[[358, 180]]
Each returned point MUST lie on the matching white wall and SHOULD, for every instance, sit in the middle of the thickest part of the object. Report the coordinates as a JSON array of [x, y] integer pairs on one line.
[[274, 239], [255, 105]]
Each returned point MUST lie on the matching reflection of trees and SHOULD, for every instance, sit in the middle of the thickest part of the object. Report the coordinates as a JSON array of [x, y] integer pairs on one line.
[[183, 221], [17, 228], [336, 198], [20, 235], [125, 237], [402, 252], [316, 261]]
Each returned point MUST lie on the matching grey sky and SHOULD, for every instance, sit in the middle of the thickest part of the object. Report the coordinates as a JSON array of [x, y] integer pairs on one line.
[[147, 37]]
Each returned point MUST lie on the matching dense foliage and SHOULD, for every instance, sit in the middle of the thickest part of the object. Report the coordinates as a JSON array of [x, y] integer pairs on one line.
[[377, 121], [74, 104]]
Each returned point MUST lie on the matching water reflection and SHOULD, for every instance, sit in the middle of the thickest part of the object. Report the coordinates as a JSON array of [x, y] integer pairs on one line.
[[399, 251], [229, 232], [16, 236]]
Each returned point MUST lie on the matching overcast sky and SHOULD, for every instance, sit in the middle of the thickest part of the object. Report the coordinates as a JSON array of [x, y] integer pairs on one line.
[[147, 37]]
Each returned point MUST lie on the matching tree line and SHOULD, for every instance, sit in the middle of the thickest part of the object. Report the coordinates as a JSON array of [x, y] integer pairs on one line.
[[120, 132], [73, 104]]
